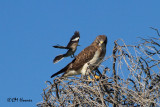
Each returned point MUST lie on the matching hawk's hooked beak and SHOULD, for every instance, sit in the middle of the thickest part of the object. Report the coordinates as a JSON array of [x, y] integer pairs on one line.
[[101, 42]]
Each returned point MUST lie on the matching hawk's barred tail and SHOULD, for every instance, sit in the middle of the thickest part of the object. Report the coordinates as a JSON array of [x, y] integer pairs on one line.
[[61, 71], [58, 58]]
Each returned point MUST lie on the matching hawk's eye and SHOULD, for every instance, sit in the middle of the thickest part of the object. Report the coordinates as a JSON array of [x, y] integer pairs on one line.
[[98, 41]]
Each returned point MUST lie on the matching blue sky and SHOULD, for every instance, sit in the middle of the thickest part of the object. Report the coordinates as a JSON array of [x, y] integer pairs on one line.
[[29, 28]]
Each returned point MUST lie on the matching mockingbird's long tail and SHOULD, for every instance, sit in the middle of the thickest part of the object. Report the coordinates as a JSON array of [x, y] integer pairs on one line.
[[60, 47], [58, 58]]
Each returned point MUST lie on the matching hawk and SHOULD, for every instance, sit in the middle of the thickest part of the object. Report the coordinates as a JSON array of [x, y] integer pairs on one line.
[[72, 47], [89, 58]]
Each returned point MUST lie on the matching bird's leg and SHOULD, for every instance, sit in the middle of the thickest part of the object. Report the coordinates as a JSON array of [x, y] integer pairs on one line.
[[94, 74], [72, 56], [100, 75], [90, 72]]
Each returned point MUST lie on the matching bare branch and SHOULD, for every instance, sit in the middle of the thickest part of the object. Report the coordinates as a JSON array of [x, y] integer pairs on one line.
[[155, 30]]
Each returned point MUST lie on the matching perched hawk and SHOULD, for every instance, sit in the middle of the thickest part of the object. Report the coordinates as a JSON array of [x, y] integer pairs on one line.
[[87, 59], [72, 47]]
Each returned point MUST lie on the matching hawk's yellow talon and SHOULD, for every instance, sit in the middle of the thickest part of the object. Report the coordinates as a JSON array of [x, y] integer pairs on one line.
[[97, 77], [90, 79]]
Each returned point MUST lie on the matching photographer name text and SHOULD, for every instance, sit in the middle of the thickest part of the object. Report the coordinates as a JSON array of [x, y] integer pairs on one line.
[[16, 99]]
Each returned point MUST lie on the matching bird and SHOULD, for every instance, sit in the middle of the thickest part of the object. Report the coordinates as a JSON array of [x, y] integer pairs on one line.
[[87, 60], [72, 47]]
